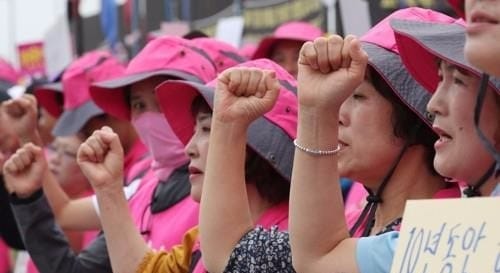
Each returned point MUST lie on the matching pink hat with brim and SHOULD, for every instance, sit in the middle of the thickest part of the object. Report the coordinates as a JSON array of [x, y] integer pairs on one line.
[[422, 43], [168, 56], [291, 31], [383, 56], [51, 98], [5, 85], [8, 73], [458, 7], [271, 136], [222, 54], [4, 96], [77, 78], [248, 50]]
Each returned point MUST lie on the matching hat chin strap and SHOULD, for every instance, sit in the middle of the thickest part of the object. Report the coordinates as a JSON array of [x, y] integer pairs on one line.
[[473, 191], [374, 198], [368, 214]]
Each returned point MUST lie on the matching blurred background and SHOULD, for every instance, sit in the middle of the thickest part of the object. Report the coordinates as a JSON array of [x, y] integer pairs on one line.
[[40, 37]]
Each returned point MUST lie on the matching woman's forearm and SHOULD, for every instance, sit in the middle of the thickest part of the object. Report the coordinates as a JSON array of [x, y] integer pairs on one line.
[[225, 213], [317, 223], [126, 246], [70, 214]]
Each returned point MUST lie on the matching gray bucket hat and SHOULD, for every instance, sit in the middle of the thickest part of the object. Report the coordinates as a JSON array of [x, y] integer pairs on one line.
[[50, 97], [77, 78], [422, 44], [271, 136], [383, 56], [172, 57]]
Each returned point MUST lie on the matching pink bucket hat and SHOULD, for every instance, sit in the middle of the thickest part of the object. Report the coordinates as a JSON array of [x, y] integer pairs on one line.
[[248, 50], [383, 56], [8, 75], [291, 31], [458, 7], [76, 80], [51, 98], [222, 54], [168, 56], [271, 136], [424, 41]]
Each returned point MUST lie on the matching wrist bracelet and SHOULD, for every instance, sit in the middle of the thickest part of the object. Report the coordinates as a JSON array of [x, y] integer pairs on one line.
[[316, 152]]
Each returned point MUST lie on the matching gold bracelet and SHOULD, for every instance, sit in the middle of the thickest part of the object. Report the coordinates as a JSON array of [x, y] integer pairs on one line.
[[316, 152]]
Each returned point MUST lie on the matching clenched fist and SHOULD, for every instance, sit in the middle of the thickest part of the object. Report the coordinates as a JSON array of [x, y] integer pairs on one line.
[[22, 114], [101, 159], [329, 71], [24, 171], [244, 94]]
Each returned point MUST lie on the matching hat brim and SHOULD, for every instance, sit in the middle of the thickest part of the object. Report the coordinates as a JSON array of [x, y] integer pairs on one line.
[[423, 44], [4, 96], [72, 121], [51, 98], [264, 137], [458, 7], [390, 67], [264, 48], [5, 85], [111, 95]]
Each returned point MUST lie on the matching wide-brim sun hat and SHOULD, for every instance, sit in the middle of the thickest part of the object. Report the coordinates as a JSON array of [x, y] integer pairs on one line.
[[422, 43], [79, 107], [222, 54], [50, 97], [458, 6], [270, 136], [291, 31], [384, 57], [168, 56]]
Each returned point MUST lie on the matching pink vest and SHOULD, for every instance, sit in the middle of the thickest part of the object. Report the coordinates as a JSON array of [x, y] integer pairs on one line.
[[356, 199], [165, 229], [275, 216], [4, 257]]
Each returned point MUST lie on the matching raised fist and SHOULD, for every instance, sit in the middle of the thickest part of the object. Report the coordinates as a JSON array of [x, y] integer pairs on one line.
[[101, 159], [22, 114], [24, 171], [244, 94], [329, 71]]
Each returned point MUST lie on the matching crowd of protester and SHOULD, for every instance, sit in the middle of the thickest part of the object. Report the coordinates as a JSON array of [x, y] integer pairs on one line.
[[196, 156]]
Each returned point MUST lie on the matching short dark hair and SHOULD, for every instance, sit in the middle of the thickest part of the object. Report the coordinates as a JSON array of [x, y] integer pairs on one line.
[[407, 125], [273, 187]]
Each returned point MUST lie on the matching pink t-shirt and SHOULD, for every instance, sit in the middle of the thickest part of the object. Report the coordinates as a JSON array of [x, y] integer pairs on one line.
[[4, 257], [274, 216], [356, 199], [451, 192], [136, 154], [165, 229]]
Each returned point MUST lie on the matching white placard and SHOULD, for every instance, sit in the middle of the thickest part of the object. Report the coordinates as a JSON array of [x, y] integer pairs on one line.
[[449, 236]]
